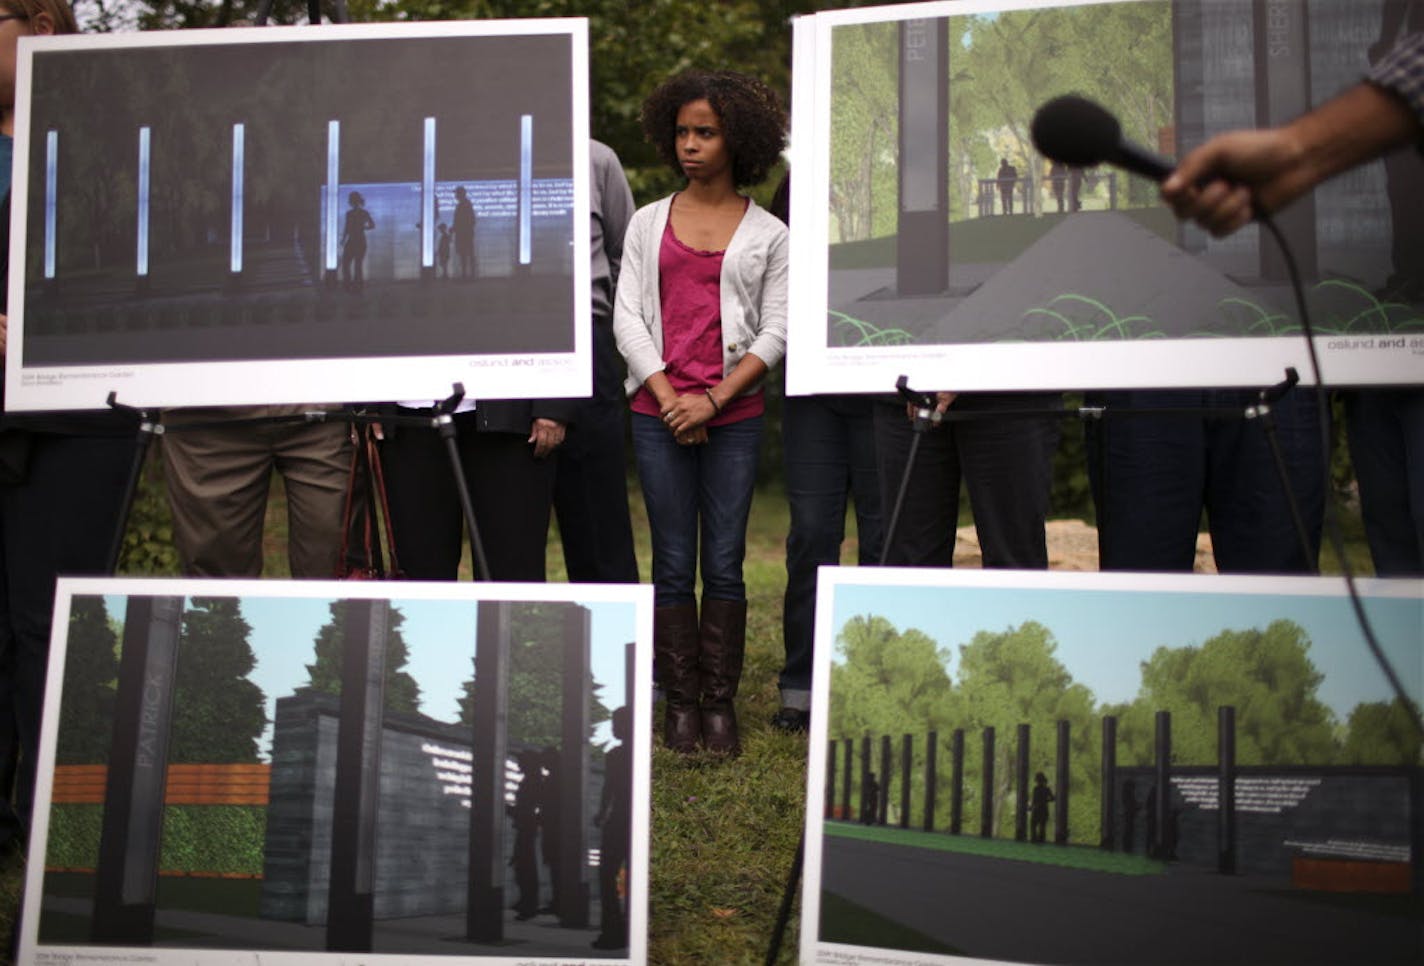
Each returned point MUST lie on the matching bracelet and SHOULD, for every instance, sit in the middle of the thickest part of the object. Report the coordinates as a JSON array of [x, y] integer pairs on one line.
[[716, 409]]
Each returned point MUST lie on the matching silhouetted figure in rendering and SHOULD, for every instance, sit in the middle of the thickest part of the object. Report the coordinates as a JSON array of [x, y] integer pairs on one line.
[[1129, 814], [550, 810], [1007, 176], [1038, 808], [869, 800], [463, 228], [442, 250], [614, 819], [524, 812], [353, 242], [1075, 189], [1058, 177]]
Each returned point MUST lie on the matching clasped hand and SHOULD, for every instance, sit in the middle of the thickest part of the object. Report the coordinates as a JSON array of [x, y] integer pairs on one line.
[[686, 418]]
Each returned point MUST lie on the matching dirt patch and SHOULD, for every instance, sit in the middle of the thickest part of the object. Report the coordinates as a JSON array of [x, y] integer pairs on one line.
[[1072, 545]]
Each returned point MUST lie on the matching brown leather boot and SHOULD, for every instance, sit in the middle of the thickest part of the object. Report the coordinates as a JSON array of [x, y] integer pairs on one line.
[[675, 657], [724, 642]]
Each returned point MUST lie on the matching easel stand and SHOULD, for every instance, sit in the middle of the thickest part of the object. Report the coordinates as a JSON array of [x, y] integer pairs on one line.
[[926, 418], [441, 419]]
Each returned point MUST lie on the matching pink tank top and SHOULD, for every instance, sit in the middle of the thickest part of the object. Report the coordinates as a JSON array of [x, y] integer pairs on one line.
[[690, 292]]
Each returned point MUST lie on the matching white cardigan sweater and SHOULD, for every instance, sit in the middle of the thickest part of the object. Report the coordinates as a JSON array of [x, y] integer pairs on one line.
[[753, 292]]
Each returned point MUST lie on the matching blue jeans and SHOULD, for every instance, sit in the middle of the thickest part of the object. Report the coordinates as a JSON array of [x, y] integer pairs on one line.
[[697, 494], [829, 447]]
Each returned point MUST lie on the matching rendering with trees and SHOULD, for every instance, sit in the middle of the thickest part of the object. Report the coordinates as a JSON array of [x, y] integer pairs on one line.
[[932, 219], [1166, 749], [236, 764]]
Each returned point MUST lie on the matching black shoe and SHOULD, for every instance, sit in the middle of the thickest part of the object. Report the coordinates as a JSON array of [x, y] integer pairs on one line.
[[791, 721]]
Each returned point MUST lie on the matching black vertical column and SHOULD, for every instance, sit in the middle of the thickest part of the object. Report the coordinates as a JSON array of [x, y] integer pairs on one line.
[[351, 907], [906, 753], [572, 868], [630, 680], [922, 251], [1107, 817], [956, 781], [1226, 790], [1281, 52], [986, 797], [931, 756], [831, 779], [846, 812], [484, 917], [1024, 789], [126, 880], [1163, 801], [882, 808], [870, 809], [1060, 787]]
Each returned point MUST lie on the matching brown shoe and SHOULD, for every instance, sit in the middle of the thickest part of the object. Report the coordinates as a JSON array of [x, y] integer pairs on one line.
[[723, 645], [675, 647]]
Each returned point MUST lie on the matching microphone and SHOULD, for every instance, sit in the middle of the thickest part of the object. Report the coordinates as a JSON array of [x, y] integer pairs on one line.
[[1081, 133]]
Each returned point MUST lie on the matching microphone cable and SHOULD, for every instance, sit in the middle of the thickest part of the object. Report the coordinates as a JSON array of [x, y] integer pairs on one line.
[[1332, 522]]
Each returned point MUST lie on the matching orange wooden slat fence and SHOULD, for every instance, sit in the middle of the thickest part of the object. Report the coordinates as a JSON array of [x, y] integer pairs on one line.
[[187, 784]]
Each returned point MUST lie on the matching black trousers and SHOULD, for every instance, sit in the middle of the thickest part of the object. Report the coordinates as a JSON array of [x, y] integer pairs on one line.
[[1006, 464], [591, 497], [510, 489], [59, 520]]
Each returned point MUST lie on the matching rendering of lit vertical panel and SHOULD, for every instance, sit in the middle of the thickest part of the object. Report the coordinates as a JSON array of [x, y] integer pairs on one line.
[[333, 186], [427, 202], [238, 147], [51, 200], [526, 184], [145, 159]]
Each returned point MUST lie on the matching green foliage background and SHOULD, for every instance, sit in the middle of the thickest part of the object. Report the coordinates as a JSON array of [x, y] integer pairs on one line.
[[895, 682]]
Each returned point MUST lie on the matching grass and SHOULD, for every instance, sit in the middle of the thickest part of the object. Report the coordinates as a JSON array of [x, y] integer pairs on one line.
[[1073, 857], [723, 832]]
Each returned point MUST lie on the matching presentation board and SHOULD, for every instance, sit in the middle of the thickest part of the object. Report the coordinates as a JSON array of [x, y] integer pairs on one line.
[[361, 772], [350, 213], [1121, 768], [932, 240]]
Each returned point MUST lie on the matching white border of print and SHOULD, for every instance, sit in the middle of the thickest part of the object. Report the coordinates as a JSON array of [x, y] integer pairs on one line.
[[335, 379], [812, 366], [639, 597], [831, 579]]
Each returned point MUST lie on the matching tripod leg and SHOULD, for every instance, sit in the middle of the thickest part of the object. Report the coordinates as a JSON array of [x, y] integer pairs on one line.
[[446, 424], [147, 429], [783, 915], [894, 520], [1268, 424]]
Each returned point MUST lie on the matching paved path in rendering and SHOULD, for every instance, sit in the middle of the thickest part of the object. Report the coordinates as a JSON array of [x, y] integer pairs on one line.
[[1031, 912]]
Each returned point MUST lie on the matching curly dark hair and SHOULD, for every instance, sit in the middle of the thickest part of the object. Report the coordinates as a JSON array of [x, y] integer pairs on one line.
[[753, 122]]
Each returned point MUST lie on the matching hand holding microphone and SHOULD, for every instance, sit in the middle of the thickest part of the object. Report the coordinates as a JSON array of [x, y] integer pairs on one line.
[[1238, 175], [1222, 185]]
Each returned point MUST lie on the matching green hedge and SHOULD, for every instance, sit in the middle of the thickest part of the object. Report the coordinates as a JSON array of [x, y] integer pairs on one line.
[[196, 838]]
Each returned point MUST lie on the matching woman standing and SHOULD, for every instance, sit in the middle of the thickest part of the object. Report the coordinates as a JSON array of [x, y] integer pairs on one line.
[[700, 316]]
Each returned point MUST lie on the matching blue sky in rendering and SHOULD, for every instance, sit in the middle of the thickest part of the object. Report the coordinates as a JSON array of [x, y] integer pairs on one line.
[[1104, 635], [440, 635]]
